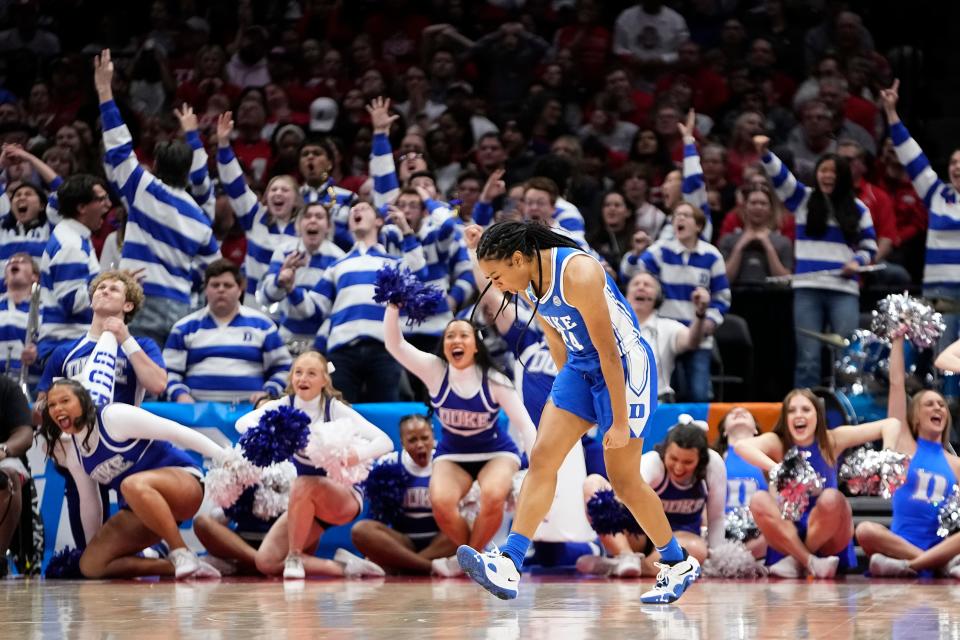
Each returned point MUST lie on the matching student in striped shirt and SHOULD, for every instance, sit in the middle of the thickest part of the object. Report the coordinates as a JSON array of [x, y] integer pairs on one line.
[[69, 262], [683, 264], [365, 372], [317, 156], [266, 223], [941, 271], [299, 264], [834, 231], [166, 230], [19, 274], [225, 352], [448, 266], [25, 223]]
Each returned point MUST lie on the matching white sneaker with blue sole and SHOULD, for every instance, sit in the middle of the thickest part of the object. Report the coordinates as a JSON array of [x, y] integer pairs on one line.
[[492, 570], [672, 581]]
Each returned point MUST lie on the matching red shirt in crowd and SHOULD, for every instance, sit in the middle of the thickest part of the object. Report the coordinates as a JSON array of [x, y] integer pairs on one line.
[[709, 89], [880, 204]]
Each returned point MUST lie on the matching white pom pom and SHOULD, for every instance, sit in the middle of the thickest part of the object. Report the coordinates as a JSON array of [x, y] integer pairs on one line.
[[273, 494], [229, 476], [329, 447], [730, 559], [470, 504]]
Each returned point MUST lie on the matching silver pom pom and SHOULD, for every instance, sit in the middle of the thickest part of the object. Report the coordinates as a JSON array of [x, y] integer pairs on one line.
[[874, 473], [740, 525], [795, 481], [271, 497], [950, 513], [229, 476], [732, 560], [924, 325]]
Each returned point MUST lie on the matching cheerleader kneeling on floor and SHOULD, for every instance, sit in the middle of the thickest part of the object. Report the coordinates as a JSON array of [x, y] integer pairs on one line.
[[687, 475], [317, 502], [141, 456]]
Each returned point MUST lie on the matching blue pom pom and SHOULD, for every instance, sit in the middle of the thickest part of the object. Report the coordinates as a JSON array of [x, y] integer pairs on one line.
[[385, 488], [242, 509], [397, 285], [280, 433], [65, 565], [608, 515]]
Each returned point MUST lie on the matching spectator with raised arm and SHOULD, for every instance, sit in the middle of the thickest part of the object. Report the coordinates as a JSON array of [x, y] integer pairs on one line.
[[941, 272], [167, 232]]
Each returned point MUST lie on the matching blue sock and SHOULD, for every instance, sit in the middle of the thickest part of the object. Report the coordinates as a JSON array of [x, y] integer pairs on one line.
[[516, 548], [672, 552]]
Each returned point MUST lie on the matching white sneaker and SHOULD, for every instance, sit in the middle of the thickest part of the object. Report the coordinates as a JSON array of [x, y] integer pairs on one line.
[[785, 568], [672, 581], [293, 567], [882, 566], [446, 567], [206, 571], [628, 565], [492, 570], [823, 567], [185, 563], [356, 567], [224, 566], [596, 565]]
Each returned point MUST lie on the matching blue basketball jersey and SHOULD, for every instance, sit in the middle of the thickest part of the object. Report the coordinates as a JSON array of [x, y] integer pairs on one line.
[[930, 479], [683, 505], [743, 480], [67, 361], [470, 424], [113, 460], [567, 320], [535, 369]]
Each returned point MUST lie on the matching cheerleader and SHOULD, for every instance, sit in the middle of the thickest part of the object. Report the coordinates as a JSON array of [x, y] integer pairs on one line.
[[824, 532], [467, 393], [688, 476], [413, 544], [316, 502], [911, 544], [743, 479], [141, 456]]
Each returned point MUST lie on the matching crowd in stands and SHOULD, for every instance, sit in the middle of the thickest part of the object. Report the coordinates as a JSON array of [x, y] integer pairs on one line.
[[253, 164]]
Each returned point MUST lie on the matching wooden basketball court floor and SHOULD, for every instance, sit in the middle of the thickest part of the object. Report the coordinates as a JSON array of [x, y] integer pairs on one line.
[[549, 608]]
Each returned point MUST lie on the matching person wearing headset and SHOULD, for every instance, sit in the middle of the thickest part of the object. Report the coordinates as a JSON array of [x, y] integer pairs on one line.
[[667, 338]]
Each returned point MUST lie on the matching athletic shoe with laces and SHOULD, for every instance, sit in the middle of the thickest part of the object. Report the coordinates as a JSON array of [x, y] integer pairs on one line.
[[446, 567], [882, 566], [596, 565], [293, 567], [786, 567], [823, 567], [185, 563], [356, 567], [492, 570], [672, 581], [628, 565]]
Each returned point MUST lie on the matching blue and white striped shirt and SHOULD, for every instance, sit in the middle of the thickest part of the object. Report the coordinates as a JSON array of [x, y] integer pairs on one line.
[[201, 187], [383, 170], [337, 200], [216, 362], [13, 332], [566, 219], [306, 278], [448, 266], [344, 295], [680, 271], [941, 271], [830, 251], [68, 265], [263, 232], [694, 190], [166, 230]]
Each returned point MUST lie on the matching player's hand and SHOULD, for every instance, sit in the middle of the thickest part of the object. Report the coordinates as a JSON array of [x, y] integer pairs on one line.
[[616, 437]]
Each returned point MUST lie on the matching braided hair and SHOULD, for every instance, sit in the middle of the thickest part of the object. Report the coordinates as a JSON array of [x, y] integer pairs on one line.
[[501, 240]]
